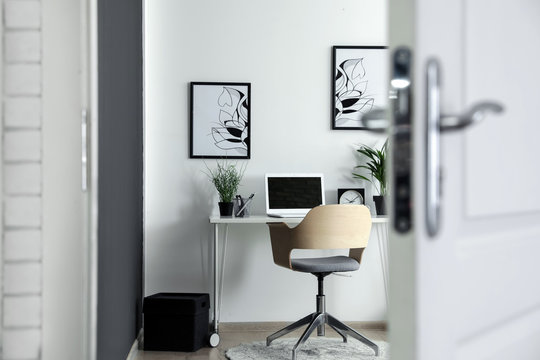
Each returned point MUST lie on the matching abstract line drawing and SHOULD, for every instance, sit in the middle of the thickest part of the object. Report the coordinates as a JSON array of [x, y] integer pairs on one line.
[[220, 120], [350, 94], [232, 130], [359, 84]]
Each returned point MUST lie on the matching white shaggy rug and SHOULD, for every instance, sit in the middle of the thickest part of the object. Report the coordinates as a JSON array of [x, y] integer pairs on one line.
[[317, 348]]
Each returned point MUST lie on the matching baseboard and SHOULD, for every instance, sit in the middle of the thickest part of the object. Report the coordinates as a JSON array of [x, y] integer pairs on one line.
[[271, 326], [137, 344]]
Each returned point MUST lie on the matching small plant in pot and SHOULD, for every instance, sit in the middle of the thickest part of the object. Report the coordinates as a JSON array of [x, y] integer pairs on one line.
[[376, 167], [226, 178]]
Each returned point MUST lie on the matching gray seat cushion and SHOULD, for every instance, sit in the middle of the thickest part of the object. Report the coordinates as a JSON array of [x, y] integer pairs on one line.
[[325, 264]]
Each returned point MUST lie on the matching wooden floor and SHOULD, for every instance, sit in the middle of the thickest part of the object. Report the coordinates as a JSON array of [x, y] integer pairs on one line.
[[232, 334]]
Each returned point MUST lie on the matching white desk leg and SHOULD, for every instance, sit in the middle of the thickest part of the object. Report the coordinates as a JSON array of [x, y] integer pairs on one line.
[[214, 337], [222, 269], [218, 280], [382, 235]]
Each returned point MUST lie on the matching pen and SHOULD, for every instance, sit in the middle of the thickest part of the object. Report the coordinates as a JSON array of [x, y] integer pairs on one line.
[[245, 204]]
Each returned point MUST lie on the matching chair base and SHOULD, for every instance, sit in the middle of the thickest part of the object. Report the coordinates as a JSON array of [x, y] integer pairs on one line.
[[318, 320]]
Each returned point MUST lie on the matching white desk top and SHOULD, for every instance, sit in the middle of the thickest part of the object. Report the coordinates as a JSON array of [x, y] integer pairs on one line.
[[263, 219]]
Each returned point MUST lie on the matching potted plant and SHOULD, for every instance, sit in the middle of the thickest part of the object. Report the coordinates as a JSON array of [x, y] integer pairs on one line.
[[226, 178], [376, 166]]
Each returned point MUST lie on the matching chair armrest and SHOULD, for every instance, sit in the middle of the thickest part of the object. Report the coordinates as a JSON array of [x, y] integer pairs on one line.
[[280, 236]]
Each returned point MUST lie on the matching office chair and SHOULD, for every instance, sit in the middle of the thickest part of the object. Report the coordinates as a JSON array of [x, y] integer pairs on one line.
[[324, 227]]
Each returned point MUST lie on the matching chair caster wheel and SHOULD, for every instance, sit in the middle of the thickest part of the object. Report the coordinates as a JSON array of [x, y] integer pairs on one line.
[[214, 339]]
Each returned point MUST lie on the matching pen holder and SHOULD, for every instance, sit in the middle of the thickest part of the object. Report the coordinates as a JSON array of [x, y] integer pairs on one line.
[[238, 204]]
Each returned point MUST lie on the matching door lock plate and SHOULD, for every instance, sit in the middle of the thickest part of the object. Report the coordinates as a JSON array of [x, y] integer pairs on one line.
[[402, 152]]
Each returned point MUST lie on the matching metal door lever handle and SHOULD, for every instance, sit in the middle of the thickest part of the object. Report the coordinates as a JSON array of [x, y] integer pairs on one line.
[[376, 121], [435, 124], [475, 114]]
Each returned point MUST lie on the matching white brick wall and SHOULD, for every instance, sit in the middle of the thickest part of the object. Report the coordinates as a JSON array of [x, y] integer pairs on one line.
[[22, 278], [22, 14], [22, 79], [22, 112], [22, 344], [22, 311], [22, 46], [22, 145], [22, 211], [22, 245], [22, 178], [21, 297]]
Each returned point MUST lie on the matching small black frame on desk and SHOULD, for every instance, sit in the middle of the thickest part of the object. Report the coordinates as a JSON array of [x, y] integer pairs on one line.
[[220, 120]]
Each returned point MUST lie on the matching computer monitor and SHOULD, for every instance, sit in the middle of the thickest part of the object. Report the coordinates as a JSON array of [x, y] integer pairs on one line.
[[293, 194]]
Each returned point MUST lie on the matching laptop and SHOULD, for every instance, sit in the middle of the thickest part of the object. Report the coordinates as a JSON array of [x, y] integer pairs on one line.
[[293, 195]]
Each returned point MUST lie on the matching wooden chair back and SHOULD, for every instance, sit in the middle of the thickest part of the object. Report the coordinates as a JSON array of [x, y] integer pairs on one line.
[[324, 227]]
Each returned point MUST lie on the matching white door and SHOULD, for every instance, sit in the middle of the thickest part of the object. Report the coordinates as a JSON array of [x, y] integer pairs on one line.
[[471, 291], [68, 307]]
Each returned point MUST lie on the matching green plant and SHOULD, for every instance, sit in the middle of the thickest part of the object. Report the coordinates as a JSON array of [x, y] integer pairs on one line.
[[376, 165], [226, 178]]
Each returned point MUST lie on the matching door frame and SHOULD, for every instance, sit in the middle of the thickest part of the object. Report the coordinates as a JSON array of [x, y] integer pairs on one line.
[[2, 180], [80, 328], [402, 310], [92, 104]]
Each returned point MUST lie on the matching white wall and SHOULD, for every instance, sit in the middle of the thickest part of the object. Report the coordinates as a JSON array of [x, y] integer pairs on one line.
[[283, 48], [21, 251]]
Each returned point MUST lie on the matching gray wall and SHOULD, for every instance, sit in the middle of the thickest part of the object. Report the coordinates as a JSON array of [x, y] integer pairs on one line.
[[120, 244]]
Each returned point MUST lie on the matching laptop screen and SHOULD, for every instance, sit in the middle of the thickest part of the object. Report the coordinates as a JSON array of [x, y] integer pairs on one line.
[[293, 193]]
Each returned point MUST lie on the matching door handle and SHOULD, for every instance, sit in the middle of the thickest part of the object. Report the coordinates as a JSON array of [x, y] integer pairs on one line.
[[435, 124], [376, 121], [84, 147], [474, 115]]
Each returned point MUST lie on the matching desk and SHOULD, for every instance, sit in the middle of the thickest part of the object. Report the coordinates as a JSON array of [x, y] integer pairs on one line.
[[379, 224]]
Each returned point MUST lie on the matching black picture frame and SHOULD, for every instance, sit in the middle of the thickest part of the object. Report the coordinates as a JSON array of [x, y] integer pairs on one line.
[[220, 120], [359, 84]]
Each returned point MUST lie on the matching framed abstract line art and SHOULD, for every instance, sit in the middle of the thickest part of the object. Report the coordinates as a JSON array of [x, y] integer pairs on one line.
[[359, 84], [220, 120]]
